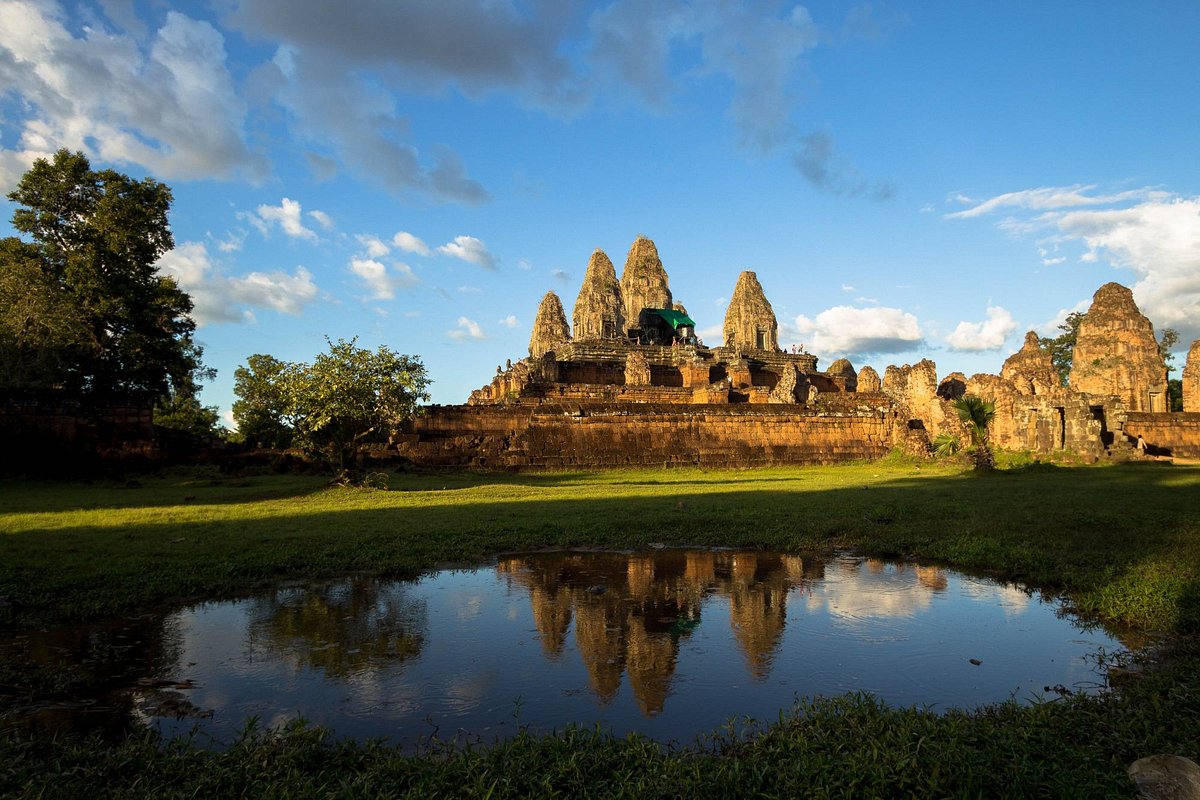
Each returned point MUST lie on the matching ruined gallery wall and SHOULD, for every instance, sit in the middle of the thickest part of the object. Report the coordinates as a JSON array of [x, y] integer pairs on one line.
[[554, 436], [1176, 434], [36, 423]]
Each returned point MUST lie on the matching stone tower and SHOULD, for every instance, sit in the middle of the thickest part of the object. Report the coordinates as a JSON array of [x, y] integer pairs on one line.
[[750, 321], [1030, 369], [1191, 379], [842, 368], [598, 309], [550, 329], [868, 381], [644, 281], [1116, 352]]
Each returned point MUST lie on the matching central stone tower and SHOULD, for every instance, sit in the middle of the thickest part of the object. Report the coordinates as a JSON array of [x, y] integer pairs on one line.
[[644, 282]]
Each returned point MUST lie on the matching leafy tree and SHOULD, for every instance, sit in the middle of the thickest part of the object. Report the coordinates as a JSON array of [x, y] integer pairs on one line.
[[1175, 394], [1062, 347], [183, 411], [261, 410], [345, 398], [96, 237], [1168, 339], [978, 414], [42, 331]]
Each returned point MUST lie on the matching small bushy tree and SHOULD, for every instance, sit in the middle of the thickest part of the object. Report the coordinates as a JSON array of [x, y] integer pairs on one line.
[[347, 397], [261, 410], [978, 414], [352, 396]]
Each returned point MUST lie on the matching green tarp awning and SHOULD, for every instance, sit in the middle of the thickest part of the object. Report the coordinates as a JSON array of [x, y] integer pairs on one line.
[[677, 319]]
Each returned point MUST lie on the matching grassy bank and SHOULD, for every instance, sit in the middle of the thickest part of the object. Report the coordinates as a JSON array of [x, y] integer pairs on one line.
[[1122, 542]]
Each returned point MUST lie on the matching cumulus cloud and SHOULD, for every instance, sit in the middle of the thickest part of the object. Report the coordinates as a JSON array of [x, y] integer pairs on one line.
[[338, 75], [855, 332], [322, 219], [510, 321], [375, 248], [1151, 233], [470, 249], [167, 103], [468, 329], [987, 335], [410, 244], [381, 281], [287, 217], [228, 298]]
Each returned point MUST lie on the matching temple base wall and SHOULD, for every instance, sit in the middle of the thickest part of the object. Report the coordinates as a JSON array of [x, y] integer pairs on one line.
[[1176, 434], [564, 436]]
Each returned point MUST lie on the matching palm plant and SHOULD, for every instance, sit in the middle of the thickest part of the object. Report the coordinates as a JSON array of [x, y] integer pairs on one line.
[[978, 414]]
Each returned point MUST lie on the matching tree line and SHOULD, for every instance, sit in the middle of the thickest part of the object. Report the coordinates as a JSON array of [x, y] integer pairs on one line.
[[85, 312]]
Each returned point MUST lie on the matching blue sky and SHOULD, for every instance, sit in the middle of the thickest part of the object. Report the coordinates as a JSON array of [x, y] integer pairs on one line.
[[907, 179]]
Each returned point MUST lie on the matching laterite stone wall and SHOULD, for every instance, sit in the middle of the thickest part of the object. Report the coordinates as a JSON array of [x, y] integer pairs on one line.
[[1175, 434], [552, 436]]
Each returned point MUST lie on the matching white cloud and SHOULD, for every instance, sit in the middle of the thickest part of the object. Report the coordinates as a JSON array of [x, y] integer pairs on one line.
[[1153, 234], [469, 290], [987, 335], [848, 331], [848, 288], [232, 242], [468, 248], [713, 335], [1048, 197], [323, 219], [167, 102], [467, 329], [224, 298], [510, 321], [383, 282], [410, 244], [375, 248], [524, 264], [287, 216], [1051, 326]]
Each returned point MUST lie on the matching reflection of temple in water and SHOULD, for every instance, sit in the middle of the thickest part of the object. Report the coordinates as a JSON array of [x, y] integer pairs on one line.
[[632, 612]]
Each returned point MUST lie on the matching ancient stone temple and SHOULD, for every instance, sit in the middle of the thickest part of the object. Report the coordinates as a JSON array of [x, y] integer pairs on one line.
[[643, 283], [1191, 379], [550, 329], [599, 310], [635, 386], [750, 321], [1116, 352]]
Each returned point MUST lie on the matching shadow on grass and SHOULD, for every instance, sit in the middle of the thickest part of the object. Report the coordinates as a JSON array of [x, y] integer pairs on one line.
[[1126, 540]]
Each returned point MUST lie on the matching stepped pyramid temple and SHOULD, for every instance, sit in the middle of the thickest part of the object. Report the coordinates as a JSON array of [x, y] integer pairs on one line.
[[627, 381]]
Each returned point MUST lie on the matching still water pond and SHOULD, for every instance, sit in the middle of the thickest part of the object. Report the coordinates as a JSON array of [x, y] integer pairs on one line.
[[671, 643]]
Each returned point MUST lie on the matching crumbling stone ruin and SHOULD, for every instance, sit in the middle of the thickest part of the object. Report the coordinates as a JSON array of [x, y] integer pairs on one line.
[[750, 321], [1116, 352], [844, 369], [631, 384], [1191, 379], [868, 381]]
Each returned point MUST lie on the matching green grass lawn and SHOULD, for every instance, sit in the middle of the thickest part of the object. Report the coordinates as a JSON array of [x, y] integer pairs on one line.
[[1122, 543]]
